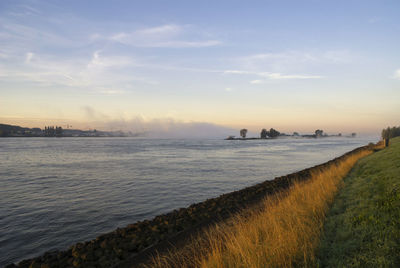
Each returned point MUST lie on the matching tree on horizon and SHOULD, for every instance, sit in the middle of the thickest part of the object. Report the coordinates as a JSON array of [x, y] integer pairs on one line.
[[273, 133], [243, 133], [264, 133], [319, 133]]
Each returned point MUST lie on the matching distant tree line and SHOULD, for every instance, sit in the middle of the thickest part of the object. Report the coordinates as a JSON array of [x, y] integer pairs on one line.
[[243, 133], [52, 131], [390, 132], [319, 133], [272, 133]]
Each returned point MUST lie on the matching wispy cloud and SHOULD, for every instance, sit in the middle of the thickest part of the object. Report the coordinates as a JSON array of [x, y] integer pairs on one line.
[[113, 92], [167, 29], [24, 36], [238, 72], [93, 115], [256, 81], [291, 76], [293, 61], [23, 11], [288, 65], [29, 57], [277, 62], [337, 57], [331, 56], [86, 59], [396, 74], [99, 73], [169, 36], [290, 55], [102, 62], [271, 76]]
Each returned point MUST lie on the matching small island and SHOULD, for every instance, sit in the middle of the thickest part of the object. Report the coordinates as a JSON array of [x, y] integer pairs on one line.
[[273, 134]]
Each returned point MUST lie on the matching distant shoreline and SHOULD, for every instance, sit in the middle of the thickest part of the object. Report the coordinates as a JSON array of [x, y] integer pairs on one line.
[[11, 131], [296, 137], [72, 137]]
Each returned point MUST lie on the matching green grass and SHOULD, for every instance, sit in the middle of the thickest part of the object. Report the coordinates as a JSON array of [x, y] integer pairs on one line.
[[362, 229]]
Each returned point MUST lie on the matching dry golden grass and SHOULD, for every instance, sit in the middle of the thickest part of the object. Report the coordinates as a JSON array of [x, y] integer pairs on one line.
[[282, 232]]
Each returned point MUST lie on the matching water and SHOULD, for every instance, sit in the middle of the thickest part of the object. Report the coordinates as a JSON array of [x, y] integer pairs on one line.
[[56, 192]]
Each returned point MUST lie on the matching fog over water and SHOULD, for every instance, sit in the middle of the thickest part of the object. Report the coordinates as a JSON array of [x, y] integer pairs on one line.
[[56, 192]]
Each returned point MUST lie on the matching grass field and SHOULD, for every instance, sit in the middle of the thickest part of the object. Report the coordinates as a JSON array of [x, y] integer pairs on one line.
[[283, 231], [363, 227]]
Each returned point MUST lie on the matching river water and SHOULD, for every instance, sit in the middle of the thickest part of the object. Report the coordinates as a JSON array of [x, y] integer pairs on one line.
[[55, 192]]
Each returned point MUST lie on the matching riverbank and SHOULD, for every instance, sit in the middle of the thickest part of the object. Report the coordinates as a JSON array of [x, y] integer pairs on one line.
[[363, 227], [282, 231], [133, 241]]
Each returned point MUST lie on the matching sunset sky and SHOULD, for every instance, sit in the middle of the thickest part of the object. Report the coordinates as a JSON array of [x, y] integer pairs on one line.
[[140, 65]]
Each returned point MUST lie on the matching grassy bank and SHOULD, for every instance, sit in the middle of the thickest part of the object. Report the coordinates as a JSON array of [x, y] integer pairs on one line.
[[363, 227], [283, 231]]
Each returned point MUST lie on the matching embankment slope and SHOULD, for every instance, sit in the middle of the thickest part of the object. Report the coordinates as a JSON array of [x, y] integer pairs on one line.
[[362, 228]]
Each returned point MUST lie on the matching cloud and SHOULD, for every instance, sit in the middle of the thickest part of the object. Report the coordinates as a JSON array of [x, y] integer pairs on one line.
[[168, 36], [397, 74], [273, 76], [29, 57], [112, 92], [92, 114], [23, 11], [161, 30], [336, 57], [20, 36], [99, 61], [293, 61], [256, 82], [293, 76], [87, 60], [286, 56], [145, 36], [89, 111], [280, 61], [187, 44], [288, 65], [104, 74], [238, 72], [291, 57]]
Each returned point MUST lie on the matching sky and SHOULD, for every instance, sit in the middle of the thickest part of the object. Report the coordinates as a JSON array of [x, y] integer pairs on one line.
[[201, 66]]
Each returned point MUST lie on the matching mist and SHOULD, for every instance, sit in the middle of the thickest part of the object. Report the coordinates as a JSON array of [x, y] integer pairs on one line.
[[166, 128]]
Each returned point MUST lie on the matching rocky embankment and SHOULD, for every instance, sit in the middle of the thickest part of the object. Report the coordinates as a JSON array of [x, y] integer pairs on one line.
[[124, 245]]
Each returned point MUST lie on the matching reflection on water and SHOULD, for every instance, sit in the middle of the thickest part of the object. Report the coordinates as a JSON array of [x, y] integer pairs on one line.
[[56, 192]]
